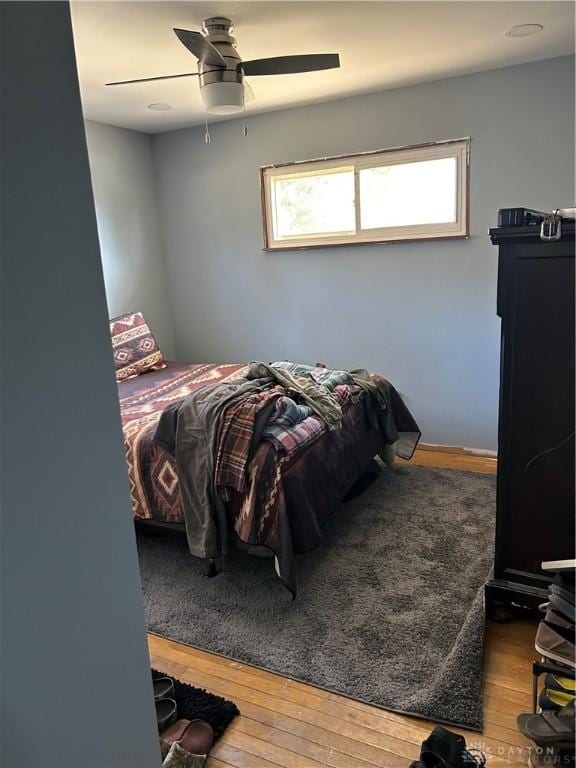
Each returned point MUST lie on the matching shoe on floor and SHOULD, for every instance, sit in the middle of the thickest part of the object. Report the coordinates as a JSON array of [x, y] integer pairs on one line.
[[444, 749], [556, 642]]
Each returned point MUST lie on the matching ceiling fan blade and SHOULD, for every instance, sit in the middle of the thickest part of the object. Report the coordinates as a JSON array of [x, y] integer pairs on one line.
[[150, 79], [288, 65], [248, 92], [200, 47]]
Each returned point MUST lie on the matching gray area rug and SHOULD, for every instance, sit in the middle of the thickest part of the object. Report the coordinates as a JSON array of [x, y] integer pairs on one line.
[[389, 607]]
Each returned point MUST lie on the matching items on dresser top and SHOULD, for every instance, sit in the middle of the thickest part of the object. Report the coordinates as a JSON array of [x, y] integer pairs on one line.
[[550, 223]]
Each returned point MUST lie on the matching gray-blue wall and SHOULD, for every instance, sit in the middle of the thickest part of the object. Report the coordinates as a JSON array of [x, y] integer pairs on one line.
[[127, 215], [75, 688], [422, 314]]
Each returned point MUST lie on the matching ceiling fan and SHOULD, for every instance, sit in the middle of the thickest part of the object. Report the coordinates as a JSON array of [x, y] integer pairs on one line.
[[221, 71]]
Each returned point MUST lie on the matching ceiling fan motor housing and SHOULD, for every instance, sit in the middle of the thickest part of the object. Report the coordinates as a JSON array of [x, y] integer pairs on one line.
[[222, 90]]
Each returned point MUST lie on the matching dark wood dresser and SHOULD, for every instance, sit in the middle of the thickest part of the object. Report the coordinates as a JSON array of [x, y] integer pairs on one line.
[[535, 489]]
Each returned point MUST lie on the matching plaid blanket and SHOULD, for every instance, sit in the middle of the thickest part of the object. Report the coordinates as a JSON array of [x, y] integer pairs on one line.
[[294, 427], [236, 437], [296, 437]]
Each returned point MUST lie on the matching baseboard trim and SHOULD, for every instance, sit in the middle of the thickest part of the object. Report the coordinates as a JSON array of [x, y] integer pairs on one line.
[[485, 453]]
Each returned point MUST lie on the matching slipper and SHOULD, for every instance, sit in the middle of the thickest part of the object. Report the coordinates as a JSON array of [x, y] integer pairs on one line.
[[163, 688], [165, 713], [550, 729], [178, 757], [195, 736], [198, 738], [175, 731], [164, 749]]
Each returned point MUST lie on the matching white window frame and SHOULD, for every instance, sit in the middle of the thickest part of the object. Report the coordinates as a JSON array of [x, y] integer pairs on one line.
[[456, 148]]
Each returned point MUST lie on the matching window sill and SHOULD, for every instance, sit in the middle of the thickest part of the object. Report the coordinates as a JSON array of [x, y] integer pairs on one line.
[[353, 244]]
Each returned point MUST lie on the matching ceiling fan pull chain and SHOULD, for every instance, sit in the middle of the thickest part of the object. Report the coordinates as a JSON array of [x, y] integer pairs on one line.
[[244, 126], [207, 133]]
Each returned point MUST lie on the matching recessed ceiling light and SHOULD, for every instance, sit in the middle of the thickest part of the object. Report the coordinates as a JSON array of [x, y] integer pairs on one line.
[[160, 107], [524, 30]]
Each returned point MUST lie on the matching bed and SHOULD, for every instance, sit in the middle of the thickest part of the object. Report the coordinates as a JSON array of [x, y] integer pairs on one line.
[[288, 498]]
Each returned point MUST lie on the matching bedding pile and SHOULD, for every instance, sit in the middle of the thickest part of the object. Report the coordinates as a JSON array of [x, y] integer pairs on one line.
[[267, 449]]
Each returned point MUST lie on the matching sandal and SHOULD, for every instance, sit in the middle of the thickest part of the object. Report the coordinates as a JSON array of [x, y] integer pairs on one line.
[[550, 729], [555, 700], [558, 683]]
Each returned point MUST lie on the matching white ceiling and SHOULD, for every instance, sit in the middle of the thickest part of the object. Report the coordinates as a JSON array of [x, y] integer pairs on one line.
[[382, 45]]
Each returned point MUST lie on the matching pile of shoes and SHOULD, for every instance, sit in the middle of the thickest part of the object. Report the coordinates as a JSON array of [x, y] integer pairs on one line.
[[444, 749], [183, 743], [555, 636], [552, 728]]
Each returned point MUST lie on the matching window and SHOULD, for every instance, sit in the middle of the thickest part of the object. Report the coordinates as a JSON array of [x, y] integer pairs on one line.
[[411, 193]]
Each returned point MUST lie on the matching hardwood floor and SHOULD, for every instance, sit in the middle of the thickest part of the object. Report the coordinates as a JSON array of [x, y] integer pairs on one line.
[[451, 459], [294, 725]]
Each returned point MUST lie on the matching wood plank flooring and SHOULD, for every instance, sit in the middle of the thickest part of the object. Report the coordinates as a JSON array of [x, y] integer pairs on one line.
[[293, 725], [453, 460]]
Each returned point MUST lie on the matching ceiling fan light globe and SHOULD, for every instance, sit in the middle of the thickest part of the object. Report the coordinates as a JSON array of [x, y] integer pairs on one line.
[[223, 98], [225, 109]]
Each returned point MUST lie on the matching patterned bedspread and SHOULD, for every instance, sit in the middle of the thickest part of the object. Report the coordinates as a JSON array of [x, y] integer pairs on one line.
[[152, 470]]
